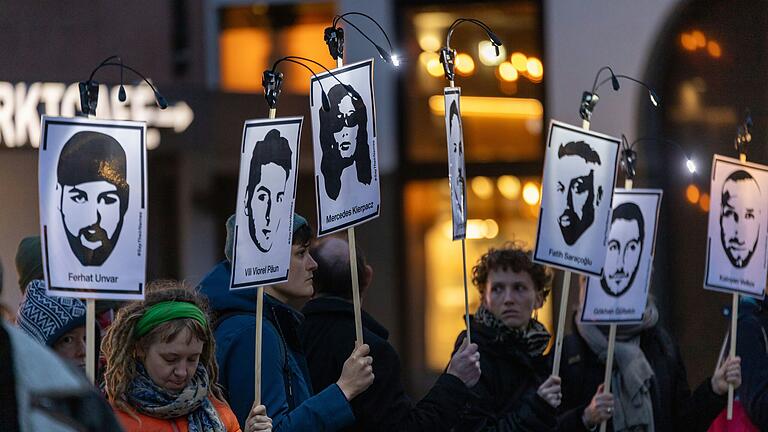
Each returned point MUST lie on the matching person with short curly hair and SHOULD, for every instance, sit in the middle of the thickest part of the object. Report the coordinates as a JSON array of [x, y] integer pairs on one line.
[[515, 391], [161, 369]]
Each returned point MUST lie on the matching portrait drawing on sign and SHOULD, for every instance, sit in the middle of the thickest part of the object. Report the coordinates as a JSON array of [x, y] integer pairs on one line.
[[93, 194], [456, 147], [625, 246], [740, 217], [270, 169], [579, 197], [344, 139]]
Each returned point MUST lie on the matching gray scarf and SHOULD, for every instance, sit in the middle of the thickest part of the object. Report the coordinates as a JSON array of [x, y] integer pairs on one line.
[[631, 379]]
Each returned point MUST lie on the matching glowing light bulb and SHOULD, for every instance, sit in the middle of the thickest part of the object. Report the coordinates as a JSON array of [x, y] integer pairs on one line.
[[531, 193], [690, 165], [395, 60]]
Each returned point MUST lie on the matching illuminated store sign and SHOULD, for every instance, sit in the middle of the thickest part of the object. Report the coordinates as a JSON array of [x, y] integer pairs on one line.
[[22, 104]]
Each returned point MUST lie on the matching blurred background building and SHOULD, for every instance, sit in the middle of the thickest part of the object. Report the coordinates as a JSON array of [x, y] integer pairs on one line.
[[207, 56]]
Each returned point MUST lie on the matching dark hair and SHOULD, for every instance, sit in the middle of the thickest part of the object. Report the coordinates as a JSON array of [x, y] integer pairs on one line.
[[630, 211], [580, 149], [511, 256], [272, 149], [332, 164], [333, 276], [93, 156], [302, 236]]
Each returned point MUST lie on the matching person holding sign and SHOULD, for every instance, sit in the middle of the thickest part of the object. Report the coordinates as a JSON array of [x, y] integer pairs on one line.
[[286, 387], [161, 369], [649, 383], [753, 350], [328, 332], [515, 391]]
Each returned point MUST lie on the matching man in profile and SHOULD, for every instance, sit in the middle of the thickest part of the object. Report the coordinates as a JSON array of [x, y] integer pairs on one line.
[[94, 194], [740, 217], [270, 168], [578, 189], [456, 163], [344, 139], [625, 246]]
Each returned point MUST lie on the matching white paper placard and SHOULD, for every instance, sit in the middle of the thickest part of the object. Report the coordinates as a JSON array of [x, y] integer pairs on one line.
[[579, 174], [344, 145], [266, 195], [456, 170], [93, 207], [737, 261], [620, 295]]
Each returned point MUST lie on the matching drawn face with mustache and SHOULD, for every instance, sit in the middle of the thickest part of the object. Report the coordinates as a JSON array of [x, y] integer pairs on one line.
[[740, 217], [580, 197], [625, 245]]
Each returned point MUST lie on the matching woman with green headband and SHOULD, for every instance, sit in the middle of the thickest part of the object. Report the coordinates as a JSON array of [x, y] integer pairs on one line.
[[161, 370]]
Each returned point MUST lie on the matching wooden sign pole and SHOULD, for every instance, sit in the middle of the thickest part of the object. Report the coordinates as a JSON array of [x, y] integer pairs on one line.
[[259, 326], [90, 340], [353, 270], [611, 344], [564, 294], [734, 323]]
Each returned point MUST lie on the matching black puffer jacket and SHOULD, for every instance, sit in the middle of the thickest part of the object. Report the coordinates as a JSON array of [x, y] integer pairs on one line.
[[674, 407], [505, 398]]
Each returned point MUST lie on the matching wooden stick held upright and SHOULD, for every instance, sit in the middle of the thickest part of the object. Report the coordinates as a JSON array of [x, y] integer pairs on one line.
[[466, 293], [353, 270], [611, 345], [259, 326], [90, 340], [734, 326], [564, 294]]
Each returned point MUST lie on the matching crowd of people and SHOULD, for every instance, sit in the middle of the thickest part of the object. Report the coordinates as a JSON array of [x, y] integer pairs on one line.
[[183, 358]]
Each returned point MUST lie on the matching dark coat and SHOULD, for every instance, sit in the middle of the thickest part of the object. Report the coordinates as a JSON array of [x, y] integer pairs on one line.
[[752, 347], [328, 336], [286, 389], [505, 398], [674, 407]]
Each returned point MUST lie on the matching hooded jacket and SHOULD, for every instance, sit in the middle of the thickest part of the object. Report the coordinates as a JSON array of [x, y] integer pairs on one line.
[[286, 386], [328, 334]]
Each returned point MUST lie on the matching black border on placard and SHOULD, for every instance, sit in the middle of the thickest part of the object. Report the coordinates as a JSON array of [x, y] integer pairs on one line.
[[714, 287], [276, 122], [323, 76], [552, 125], [659, 193], [47, 122], [457, 91]]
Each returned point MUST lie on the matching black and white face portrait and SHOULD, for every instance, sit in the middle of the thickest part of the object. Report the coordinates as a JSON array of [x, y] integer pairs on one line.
[[344, 147], [738, 219], [93, 194], [580, 196], [620, 295], [577, 188], [93, 189], [266, 196], [271, 164], [344, 138], [456, 168], [625, 246]]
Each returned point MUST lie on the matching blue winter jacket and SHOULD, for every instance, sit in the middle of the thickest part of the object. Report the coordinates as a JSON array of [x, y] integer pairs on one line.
[[286, 388]]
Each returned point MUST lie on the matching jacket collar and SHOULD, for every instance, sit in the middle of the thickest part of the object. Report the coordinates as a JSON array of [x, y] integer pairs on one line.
[[331, 305], [285, 318]]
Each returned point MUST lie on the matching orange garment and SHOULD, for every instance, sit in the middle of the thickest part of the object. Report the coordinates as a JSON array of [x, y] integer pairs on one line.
[[179, 424]]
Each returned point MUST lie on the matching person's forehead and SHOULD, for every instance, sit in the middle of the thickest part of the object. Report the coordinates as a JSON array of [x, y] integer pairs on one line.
[[740, 187], [625, 228], [508, 275], [98, 185], [345, 104]]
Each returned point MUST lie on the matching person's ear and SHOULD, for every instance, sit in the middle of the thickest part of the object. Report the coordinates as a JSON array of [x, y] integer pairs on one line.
[[599, 196], [246, 210], [367, 277], [539, 301]]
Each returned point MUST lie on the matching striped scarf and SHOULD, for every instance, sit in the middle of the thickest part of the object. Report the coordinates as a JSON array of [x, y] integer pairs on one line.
[[150, 399], [533, 339]]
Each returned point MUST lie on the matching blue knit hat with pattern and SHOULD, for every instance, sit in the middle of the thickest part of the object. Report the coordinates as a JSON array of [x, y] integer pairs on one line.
[[48, 318]]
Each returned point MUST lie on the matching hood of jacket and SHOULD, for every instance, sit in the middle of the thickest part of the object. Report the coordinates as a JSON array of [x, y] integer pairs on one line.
[[215, 286]]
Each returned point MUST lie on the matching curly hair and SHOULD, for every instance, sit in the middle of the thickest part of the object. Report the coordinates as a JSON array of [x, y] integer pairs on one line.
[[516, 257], [121, 346]]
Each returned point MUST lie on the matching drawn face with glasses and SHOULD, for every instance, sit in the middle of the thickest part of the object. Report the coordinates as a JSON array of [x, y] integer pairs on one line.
[[346, 138]]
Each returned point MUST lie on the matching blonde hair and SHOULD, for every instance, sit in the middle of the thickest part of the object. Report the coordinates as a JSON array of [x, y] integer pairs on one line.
[[121, 346]]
